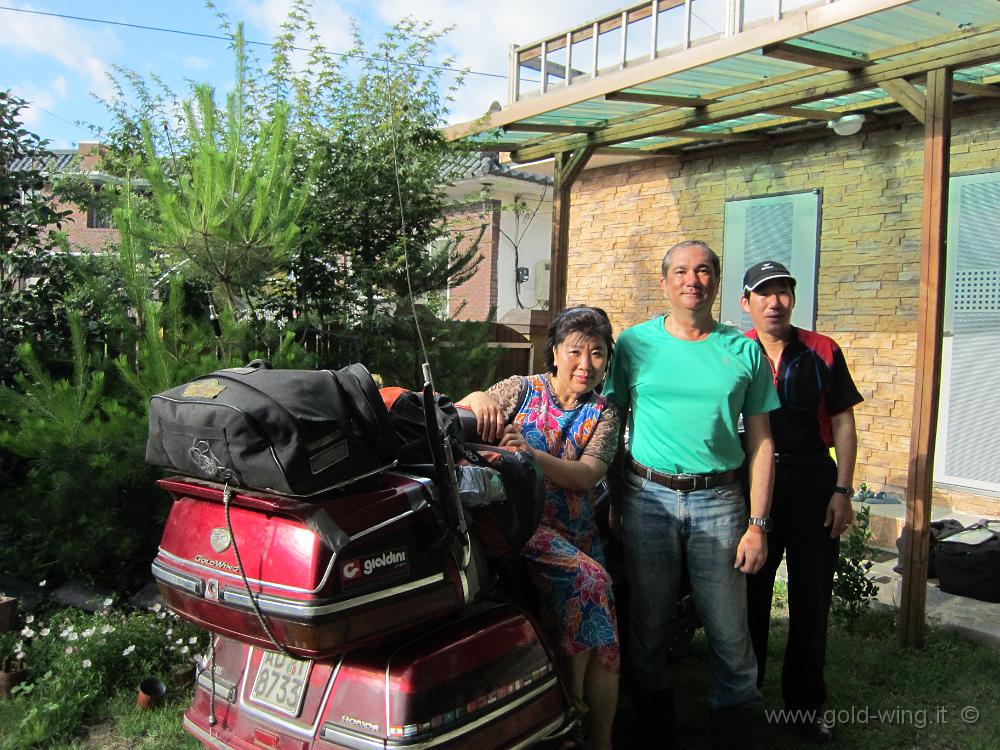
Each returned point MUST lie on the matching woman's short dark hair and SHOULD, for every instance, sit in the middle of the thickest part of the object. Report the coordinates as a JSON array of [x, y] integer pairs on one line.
[[591, 322]]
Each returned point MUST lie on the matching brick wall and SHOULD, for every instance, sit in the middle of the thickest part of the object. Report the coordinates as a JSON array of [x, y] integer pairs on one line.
[[478, 294], [75, 225], [624, 217]]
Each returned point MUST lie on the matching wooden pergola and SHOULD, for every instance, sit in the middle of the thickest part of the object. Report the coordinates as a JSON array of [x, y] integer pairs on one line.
[[771, 80]]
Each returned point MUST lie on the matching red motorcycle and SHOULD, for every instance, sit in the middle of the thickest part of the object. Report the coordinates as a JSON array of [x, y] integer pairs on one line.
[[363, 617]]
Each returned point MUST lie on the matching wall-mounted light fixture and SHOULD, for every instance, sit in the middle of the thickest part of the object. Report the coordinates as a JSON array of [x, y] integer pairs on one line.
[[847, 125]]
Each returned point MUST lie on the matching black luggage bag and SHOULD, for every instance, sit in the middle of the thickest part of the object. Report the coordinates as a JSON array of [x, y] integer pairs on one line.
[[295, 432], [968, 563]]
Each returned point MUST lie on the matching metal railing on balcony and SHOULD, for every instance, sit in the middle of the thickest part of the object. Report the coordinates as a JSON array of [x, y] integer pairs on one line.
[[633, 35]]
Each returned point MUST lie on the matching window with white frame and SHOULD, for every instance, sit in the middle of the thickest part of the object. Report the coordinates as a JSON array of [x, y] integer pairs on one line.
[[784, 228], [968, 443]]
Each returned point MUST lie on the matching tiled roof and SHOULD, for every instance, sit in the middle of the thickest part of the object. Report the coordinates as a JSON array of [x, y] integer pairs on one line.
[[485, 164], [59, 160]]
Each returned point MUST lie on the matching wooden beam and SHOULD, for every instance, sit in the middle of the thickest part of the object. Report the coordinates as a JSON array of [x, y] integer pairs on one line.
[[805, 113], [908, 96], [695, 136], [494, 145], [668, 100], [620, 151], [793, 25], [807, 56], [534, 127], [926, 388], [967, 87], [979, 48], [567, 167]]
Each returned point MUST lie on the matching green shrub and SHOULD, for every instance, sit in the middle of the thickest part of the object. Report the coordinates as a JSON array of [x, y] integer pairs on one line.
[[79, 661], [853, 590]]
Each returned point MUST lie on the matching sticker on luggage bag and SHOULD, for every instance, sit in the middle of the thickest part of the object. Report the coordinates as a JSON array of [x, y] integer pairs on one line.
[[203, 389], [391, 563]]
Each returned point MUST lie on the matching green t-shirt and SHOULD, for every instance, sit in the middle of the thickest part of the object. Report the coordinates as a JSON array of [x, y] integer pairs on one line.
[[686, 397]]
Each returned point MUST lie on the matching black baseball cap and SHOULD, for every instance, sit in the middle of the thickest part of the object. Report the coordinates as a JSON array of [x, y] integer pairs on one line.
[[766, 270]]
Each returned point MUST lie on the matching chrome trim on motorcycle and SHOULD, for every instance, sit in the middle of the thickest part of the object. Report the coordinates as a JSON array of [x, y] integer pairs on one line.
[[272, 605], [499, 712], [187, 583]]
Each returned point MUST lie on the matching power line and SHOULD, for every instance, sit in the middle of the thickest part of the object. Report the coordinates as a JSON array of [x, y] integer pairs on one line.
[[223, 38]]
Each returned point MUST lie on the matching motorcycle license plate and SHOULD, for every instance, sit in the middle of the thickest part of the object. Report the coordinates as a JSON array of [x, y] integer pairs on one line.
[[280, 683]]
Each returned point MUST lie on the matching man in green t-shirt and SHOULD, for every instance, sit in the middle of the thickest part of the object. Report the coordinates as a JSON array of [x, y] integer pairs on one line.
[[685, 380]]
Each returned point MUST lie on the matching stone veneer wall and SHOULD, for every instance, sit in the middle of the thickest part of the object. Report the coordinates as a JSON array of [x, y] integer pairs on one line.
[[479, 294], [625, 217]]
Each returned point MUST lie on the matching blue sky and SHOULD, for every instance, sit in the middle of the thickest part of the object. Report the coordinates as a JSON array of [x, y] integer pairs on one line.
[[59, 64]]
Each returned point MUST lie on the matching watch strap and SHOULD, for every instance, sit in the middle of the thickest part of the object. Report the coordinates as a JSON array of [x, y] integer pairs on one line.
[[847, 491]]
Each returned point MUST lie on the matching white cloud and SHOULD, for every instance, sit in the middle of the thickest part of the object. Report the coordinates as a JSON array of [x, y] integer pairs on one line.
[[39, 98], [78, 47]]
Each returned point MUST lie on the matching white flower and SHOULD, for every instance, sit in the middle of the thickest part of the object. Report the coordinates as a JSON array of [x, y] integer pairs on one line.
[[185, 650], [193, 639], [108, 602], [44, 632], [19, 646], [157, 607], [68, 650], [74, 636], [128, 650], [27, 632], [19, 655], [161, 615], [29, 619], [179, 641], [170, 632], [87, 633], [86, 663], [42, 583], [65, 632], [105, 629]]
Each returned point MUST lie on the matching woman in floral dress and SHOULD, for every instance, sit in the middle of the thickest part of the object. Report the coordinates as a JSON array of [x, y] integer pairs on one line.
[[572, 431]]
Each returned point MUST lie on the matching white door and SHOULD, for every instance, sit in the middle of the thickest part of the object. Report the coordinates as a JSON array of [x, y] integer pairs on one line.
[[968, 437]]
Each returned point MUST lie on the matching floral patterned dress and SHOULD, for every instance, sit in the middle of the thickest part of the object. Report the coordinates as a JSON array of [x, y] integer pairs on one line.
[[565, 557]]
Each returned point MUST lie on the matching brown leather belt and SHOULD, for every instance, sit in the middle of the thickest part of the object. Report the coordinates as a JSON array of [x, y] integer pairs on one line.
[[683, 482]]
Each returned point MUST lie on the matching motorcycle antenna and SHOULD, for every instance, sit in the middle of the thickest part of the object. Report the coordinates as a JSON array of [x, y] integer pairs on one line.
[[426, 366]]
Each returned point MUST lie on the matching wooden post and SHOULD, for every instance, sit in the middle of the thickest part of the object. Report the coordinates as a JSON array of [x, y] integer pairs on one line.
[[568, 164], [926, 389]]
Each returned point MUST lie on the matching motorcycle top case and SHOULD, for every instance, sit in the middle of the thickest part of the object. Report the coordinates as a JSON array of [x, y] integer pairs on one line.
[[295, 432], [327, 575], [483, 681]]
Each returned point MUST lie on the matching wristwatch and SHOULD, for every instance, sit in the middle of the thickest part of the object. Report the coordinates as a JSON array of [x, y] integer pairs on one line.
[[763, 521], [847, 491]]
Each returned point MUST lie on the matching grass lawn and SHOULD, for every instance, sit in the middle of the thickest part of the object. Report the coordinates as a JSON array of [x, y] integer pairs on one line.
[[882, 696]]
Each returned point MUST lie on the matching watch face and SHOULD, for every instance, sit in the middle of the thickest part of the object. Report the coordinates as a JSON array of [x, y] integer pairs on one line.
[[764, 523]]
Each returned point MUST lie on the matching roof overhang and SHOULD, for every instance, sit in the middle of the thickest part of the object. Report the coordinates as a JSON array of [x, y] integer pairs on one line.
[[794, 73]]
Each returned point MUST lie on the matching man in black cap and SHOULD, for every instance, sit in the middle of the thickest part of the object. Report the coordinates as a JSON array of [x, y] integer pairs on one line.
[[811, 501]]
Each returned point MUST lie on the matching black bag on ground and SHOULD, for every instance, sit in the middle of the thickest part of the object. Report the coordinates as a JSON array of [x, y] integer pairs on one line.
[[938, 530], [295, 432], [968, 563]]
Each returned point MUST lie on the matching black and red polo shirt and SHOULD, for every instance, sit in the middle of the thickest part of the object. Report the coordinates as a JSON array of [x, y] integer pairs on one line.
[[813, 383]]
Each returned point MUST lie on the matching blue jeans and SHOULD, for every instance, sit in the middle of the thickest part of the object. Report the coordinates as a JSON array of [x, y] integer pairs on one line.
[[662, 528]]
